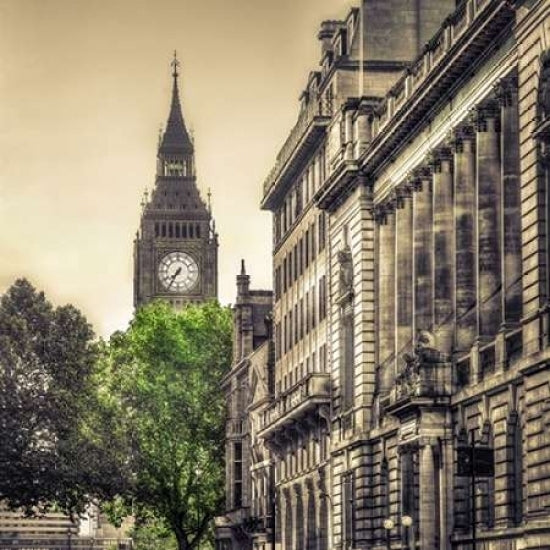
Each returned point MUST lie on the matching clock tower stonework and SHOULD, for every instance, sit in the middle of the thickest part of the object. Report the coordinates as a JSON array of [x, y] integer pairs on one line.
[[176, 246]]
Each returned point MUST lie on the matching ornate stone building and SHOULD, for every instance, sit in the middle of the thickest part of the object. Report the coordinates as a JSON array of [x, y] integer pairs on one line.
[[247, 388], [176, 247], [430, 312]]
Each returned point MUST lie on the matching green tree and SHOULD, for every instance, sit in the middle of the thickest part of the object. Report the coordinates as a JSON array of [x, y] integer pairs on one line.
[[162, 376], [48, 407]]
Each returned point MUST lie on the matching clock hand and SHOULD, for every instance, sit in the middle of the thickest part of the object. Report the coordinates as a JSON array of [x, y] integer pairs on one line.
[[173, 278]]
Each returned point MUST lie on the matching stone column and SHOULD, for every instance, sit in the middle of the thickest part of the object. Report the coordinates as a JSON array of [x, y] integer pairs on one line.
[[386, 297], [489, 198], [443, 228], [404, 272], [511, 215], [465, 237], [423, 250], [298, 519], [427, 503]]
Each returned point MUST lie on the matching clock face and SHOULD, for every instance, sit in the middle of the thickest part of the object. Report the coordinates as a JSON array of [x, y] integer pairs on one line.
[[178, 272]]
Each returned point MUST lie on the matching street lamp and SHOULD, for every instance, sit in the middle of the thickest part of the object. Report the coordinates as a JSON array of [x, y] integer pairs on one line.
[[406, 522], [388, 526]]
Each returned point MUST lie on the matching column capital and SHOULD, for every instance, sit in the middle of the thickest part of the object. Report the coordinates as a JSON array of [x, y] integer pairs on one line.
[[481, 114], [460, 135], [402, 192], [427, 441], [506, 90], [418, 176], [381, 211], [439, 160]]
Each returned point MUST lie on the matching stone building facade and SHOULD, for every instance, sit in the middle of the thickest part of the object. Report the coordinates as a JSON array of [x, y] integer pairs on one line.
[[247, 388], [426, 304]]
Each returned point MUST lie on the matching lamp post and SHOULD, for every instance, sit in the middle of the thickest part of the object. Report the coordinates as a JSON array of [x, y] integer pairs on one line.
[[406, 522], [388, 526]]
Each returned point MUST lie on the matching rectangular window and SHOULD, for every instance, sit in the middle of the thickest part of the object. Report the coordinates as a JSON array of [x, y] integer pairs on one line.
[[296, 324], [237, 474], [346, 361], [322, 298], [295, 252], [284, 275], [308, 313], [348, 511], [290, 330], [278, 341], [313, 319], [313, 249], [301, 318], [322, 231], [306, 251]]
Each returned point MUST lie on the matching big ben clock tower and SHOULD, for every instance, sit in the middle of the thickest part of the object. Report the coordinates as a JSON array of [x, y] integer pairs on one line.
[[176, 246]]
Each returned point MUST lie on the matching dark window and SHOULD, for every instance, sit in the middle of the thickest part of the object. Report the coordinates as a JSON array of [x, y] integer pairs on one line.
[[346, 361], [237, 474], [313, 249], [306, 251], [322, 231], [348, 510], [322, 298]]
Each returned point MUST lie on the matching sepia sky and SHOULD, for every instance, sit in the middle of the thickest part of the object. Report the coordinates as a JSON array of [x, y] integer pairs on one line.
[[84, 88]]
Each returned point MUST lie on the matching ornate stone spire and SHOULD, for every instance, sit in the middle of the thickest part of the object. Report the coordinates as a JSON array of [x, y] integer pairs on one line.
[[176, 138]]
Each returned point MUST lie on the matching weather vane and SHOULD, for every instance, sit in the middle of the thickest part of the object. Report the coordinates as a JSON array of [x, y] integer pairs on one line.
[[175, 64]]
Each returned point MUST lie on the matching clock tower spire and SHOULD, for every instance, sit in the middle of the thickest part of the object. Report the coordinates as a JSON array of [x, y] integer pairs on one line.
[[175, 250]]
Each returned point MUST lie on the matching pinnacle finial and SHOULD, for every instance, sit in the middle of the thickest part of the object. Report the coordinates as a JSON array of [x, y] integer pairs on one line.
[[243, 269], [209, 195], [175, 64]]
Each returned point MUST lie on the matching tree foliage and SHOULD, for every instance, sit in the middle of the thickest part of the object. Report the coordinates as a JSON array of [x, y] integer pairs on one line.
[[161, 379], [48, 407]]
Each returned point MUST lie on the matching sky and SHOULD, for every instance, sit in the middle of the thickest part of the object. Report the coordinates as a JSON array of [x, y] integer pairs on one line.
[[85, 86]]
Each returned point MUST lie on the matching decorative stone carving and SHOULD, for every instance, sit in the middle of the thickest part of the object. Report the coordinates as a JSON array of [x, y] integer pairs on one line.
[[345, 279], [411, 381]]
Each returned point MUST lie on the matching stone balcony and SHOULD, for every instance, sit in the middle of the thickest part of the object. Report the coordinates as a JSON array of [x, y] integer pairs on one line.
[[296, 404], [425, 380]]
